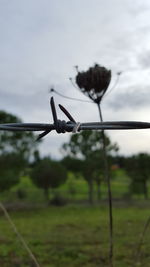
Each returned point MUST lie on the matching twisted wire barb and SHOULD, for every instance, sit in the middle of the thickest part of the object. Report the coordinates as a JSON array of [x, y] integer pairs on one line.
[[62, 126]]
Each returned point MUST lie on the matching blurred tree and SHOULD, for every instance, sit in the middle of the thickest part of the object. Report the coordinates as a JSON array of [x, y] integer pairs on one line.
[[16, 150], [11, 166], [86, 156], [22, 143], [48, 174], [83, 144], [138, 169], [73, 164]]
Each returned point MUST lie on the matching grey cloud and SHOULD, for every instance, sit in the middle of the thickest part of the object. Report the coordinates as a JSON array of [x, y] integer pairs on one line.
[[24, 105], [131, 99], [139, 8], [144, 59]]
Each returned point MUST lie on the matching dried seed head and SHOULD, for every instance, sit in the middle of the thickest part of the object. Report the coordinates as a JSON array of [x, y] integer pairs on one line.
[[94, 82]]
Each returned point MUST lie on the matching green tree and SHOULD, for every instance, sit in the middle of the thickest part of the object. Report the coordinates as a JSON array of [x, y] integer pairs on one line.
[[11, 166], [138, 169], [19, 142], [16, 150], [48, 174], [87, 147], [73, 164]]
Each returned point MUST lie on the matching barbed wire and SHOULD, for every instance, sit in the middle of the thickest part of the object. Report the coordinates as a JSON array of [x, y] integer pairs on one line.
[[62, 126]]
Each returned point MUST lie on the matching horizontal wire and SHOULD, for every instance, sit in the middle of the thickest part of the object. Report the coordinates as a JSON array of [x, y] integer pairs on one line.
[[123, 124], [30, 125], [27, 127], [61, 126], [109, 125]]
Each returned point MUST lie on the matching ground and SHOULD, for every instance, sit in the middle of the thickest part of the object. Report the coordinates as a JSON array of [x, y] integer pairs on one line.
[[76, 236]]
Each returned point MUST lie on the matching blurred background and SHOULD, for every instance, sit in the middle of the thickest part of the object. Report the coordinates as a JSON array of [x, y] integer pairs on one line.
[[55, 189]]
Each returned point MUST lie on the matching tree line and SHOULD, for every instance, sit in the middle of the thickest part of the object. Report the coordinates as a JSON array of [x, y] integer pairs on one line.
[[82, 155]]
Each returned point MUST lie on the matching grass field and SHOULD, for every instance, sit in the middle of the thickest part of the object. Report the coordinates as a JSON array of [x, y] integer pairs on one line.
[[120, 189], [75, 236]]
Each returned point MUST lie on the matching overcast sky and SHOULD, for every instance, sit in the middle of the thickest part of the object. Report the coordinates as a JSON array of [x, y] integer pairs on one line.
[[42, 40]]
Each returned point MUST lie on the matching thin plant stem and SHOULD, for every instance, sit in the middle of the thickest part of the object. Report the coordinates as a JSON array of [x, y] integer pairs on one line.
[[107, 177], [70, 98], [138, 252], [19, 235]]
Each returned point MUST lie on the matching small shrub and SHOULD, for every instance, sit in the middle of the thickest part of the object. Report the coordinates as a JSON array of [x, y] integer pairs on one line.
[[58, 200], [21, 193], [72, 189]]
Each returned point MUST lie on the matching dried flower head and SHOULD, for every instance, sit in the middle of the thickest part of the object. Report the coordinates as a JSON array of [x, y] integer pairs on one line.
[[94, 82]]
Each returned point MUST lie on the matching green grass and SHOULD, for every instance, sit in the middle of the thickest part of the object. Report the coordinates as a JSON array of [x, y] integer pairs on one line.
[[74, 236], [120, 187], [75, 189]]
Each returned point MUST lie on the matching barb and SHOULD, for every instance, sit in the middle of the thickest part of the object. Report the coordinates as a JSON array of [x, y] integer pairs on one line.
[[52, 104], [67, 113], [70, 126]]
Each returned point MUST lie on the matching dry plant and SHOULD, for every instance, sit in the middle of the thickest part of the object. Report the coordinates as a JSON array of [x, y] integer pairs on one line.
[[94, 83]]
